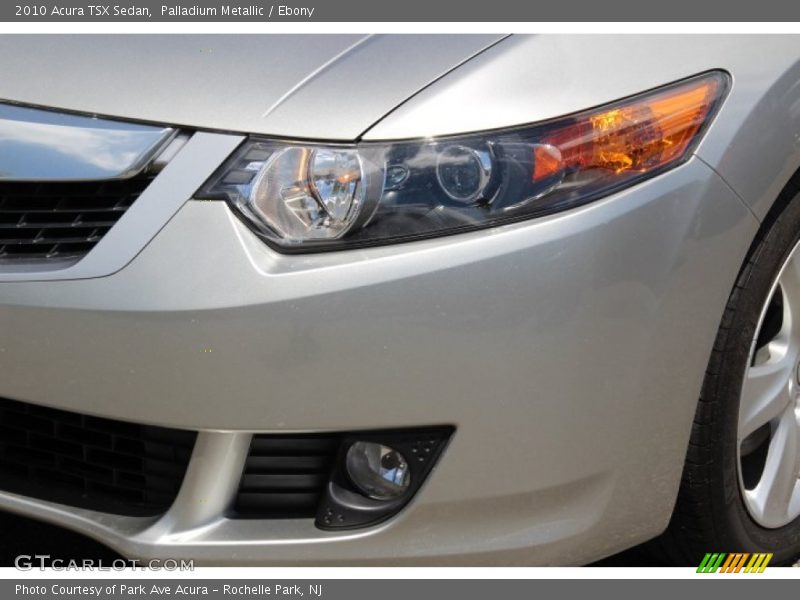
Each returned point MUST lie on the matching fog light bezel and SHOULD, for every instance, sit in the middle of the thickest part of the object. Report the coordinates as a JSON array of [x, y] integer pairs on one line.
[[345, 506]]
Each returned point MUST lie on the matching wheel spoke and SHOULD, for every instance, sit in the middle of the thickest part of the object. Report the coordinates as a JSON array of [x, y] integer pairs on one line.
[[778, 491], [790, 285], [765, 394], [769, 404]]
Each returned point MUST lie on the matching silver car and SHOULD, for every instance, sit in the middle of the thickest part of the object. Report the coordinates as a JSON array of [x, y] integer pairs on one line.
[[480, 299]]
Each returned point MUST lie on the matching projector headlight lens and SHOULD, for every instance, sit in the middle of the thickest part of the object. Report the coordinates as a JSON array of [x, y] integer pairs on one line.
[[463, 173], [307, 197]]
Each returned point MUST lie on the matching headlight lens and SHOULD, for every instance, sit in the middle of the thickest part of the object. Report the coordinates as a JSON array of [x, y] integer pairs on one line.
[[307, 197]]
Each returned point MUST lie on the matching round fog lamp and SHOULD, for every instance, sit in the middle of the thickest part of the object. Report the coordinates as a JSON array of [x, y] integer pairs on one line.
[[378, 471]]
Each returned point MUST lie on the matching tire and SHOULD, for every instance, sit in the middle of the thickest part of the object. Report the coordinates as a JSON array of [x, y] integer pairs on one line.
[[714, 511]]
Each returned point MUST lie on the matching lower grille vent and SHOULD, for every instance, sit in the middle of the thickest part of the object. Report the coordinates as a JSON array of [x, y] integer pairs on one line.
[[89, 462], [285, 476]]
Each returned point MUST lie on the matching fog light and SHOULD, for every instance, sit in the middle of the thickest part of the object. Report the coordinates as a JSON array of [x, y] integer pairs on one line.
[[378, 471]]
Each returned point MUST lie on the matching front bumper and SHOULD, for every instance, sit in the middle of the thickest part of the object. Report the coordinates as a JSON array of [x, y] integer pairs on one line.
[[568, 352]]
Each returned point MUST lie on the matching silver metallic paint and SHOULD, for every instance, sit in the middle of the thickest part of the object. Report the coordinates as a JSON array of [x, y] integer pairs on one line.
[[306, 86], [217, 332], [569, 351]]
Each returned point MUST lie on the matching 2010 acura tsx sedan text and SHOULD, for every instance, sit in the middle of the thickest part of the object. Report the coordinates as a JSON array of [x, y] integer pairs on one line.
[[402, 299]]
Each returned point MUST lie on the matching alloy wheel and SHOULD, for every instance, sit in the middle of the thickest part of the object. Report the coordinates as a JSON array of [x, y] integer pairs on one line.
[[769, 409]]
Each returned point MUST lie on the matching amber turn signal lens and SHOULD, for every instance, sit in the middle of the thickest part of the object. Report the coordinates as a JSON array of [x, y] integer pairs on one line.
[[547, 162], [646, 133]]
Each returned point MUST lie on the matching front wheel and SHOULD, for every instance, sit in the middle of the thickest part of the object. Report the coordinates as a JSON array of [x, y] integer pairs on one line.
[[740, 490]]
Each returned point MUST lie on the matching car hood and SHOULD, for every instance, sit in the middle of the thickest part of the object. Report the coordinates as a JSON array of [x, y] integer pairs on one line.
[[322, 86]]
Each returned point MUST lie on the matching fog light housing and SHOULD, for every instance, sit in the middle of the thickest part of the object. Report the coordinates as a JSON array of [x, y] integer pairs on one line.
[[376, 474]]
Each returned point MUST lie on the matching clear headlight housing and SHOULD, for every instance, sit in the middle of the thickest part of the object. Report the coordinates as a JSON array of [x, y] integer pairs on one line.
[[307, 197]]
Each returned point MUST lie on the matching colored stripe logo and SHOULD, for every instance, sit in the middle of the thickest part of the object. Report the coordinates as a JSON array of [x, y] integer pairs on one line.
[[739, 562]]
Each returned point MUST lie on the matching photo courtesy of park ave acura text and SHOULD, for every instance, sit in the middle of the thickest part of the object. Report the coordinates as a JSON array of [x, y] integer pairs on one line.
[[398, 299]]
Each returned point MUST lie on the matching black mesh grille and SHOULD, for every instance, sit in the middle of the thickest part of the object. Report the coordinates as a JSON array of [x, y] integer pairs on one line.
[[61, 220], [285, 476], [90, 462]]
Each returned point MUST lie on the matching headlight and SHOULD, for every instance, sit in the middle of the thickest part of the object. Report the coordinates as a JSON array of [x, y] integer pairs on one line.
[[305, 197]]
